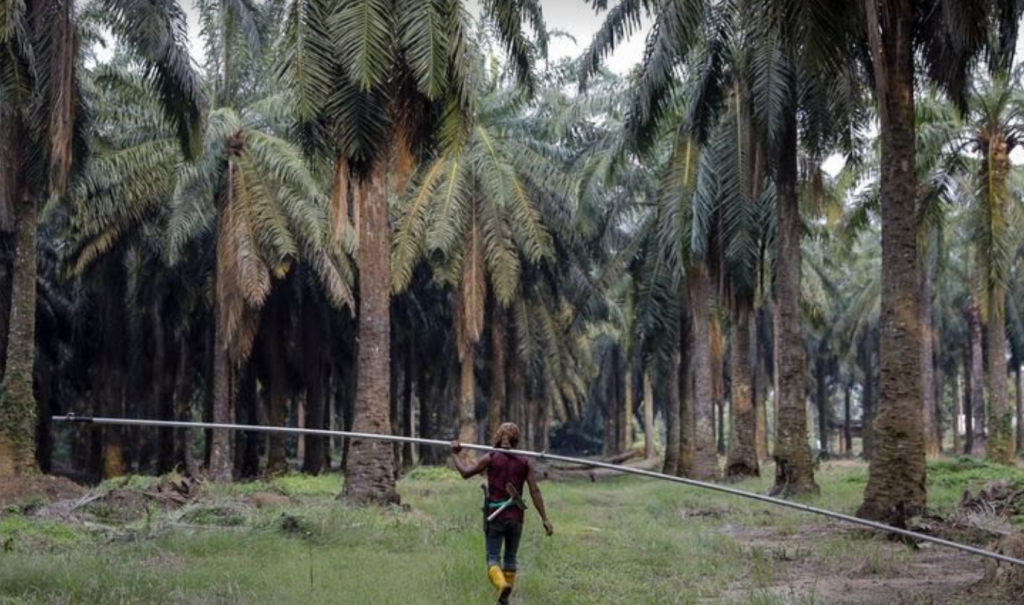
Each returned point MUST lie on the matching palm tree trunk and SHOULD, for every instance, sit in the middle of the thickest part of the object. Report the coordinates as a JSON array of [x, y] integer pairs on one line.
[[896, 477], [958, 410], [611, 400], [220, 443], [467, 399], [976, 441], [626, 423], [687, 436], [932, 447], [648, 416], [370, 465], [760, 391], [314, 321], [672, 413], [17, 399], [705, 456], [742, 461], [794, 472], [847, 420], [1000, 447], [497, 394], [111, 375], [247, 405], [277, 410], [718, 381]]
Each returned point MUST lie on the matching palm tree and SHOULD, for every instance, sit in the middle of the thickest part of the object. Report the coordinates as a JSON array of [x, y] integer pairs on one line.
[[751, 55], [252, 196], [949, 40], [996, 116], [374, 91], [41, 102], [473, 212]]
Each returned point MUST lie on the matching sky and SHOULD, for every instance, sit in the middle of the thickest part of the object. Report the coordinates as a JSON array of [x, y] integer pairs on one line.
[[574, 17]]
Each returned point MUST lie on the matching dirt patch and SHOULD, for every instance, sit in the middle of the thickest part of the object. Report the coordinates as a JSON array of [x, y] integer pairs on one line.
[[41, 489], [837, 565]]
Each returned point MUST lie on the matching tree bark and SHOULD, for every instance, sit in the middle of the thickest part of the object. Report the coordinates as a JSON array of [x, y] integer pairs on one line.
[[467, 400], [794, 472], [648, 416], [718, 381], [223, 373], [163, 386], [17, 398], [673, 411], [847, 421], [932, 447], [977, 384], [627, 410], [687, 437], [705, 456], [611, 401], [958, 410], [183, 392], [370, 465], [247, 444], [896, 477], [497, 394], [1001, 445], [743, 460], [760, 391], [111, 375], [276, 362], [314, 323]]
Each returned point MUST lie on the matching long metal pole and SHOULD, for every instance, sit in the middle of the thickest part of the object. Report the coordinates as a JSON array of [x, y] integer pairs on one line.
[[882, 527]]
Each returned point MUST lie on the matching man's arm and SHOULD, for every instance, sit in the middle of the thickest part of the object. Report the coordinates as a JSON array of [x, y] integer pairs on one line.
[[468, 470], [538, 500]]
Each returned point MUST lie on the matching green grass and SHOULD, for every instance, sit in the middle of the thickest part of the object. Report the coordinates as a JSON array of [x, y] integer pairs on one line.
[[621, 540]]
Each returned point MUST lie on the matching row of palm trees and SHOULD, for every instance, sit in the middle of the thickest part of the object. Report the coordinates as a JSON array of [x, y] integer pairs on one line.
[[372, 212]]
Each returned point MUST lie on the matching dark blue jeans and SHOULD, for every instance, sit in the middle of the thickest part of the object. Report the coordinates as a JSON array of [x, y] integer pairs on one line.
[[509, 533]]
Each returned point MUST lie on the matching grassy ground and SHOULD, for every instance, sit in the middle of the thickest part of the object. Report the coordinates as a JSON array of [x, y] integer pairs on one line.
[[620, 540]]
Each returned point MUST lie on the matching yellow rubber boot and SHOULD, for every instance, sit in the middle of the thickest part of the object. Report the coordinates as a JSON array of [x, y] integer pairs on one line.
[[510, 579], [497, 578]]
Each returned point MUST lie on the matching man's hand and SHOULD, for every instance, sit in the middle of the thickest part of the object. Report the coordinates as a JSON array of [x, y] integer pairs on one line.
[[548, 528], [456, 448]]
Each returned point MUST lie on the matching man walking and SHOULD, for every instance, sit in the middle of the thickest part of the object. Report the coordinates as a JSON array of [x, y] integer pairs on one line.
[[507, 528]]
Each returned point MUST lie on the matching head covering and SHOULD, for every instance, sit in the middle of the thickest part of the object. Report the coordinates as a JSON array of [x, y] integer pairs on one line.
[[507, 436]]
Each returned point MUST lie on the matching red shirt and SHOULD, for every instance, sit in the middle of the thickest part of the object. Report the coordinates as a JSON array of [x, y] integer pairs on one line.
[[502, 470]]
